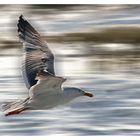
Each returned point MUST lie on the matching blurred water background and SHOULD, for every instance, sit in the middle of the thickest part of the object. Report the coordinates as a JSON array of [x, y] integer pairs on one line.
[[97, 48]]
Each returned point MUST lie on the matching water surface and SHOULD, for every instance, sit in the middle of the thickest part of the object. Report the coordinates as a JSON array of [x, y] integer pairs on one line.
[[111, 70], [114, 110]]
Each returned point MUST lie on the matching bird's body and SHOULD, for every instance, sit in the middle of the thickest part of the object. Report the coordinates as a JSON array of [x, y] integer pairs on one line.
[[45, 88], [51, 99]]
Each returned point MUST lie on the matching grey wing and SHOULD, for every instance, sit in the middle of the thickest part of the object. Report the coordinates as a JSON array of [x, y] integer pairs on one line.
[[37, 55], [47, 84], [49, 80]]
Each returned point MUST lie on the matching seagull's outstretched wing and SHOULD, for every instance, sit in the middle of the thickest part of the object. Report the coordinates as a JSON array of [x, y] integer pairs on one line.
[[47, 84], [37, 56]]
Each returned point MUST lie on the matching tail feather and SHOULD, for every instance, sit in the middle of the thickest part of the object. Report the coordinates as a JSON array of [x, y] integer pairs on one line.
[[15, 112], [8, 105], [12, 108]]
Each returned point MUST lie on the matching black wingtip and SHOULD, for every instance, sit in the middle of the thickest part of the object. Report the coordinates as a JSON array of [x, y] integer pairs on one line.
[[21, 17], [26, 32]]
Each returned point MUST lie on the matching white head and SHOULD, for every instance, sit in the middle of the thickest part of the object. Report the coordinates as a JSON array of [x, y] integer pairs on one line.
[[76, 92]]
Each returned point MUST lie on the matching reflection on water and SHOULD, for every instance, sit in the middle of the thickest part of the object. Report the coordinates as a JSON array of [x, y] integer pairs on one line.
[[114, 110]]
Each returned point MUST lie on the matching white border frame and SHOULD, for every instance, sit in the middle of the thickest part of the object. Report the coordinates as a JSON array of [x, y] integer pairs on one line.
[[70, 2]]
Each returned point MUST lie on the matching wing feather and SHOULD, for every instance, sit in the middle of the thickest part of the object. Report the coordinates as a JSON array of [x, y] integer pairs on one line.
[[36, 56], [48, 84]]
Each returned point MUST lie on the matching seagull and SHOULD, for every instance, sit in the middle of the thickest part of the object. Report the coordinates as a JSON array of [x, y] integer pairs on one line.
[[45, 88]]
